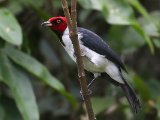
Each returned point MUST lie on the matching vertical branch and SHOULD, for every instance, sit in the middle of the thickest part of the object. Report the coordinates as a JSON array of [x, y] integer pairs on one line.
[[72, 25], [74, 38], [67, 14], [74, 14]]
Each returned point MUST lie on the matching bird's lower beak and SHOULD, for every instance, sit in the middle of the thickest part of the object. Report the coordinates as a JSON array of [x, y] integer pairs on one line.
[[46, 24]]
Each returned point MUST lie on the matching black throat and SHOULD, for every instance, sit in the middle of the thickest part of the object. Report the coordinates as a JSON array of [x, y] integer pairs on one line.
[[60, 37]]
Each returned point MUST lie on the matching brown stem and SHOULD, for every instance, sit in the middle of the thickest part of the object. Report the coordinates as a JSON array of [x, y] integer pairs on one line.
[[67, 14], [72, 25]]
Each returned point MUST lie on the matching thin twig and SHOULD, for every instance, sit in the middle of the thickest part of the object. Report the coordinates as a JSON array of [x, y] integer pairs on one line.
[[74, 15], [81, 73], [72, 25], [67, 14]]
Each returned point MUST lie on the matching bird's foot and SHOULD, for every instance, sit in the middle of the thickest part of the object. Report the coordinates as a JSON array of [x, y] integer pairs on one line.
[[89, 93]]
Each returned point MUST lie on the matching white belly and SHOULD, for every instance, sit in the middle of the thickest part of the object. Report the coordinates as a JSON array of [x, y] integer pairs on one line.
[[92, 67], [92, 61]]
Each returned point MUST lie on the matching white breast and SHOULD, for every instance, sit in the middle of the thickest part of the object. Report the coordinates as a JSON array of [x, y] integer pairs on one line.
[[92, 61]]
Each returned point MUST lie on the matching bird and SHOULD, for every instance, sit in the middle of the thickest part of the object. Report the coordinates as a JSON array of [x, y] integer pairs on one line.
[[97, 56]]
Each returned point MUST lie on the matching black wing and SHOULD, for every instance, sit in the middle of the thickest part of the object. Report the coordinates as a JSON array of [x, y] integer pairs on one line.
[[95, 43]]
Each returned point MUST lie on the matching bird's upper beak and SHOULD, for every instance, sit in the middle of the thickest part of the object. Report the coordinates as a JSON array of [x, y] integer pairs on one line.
[[45, 24]]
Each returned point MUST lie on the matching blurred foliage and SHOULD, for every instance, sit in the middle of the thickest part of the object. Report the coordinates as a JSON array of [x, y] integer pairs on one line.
[[32, 62]]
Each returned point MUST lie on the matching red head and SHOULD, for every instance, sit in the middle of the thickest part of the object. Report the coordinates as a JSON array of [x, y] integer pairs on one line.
[[57, 24]]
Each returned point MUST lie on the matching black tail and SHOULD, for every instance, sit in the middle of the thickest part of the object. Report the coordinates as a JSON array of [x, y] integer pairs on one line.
[[131, 96]]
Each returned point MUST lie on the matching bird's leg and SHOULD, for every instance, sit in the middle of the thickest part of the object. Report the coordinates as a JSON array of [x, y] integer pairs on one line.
[[91, 83], [96, 75]]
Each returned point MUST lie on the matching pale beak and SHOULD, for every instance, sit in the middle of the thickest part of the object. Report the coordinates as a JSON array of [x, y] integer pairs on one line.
[[46, 24]]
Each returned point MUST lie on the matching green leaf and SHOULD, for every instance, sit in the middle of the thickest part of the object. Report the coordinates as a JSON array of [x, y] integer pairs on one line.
[[120, 39], [114, 11], [10, 30], [21, 89], [137, 5], [91, 4], [118, 12], [151, 27], [130, 38], [100, 104], [38, 70], [157, 42], [34, 67], [142, 10], [140, 30], [131, 44]]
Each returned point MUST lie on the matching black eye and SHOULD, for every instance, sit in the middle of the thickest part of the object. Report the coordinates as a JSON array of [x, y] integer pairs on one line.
[[59, 21]]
